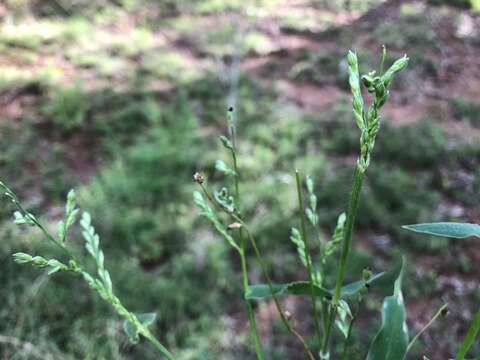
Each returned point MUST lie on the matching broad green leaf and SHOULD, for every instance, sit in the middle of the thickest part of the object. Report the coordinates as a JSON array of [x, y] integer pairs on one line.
[[469, 338], [391, 341], [447, 229]]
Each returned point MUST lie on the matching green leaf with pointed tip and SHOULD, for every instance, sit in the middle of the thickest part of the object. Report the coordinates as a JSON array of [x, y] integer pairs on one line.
[[147, 319], [446, 229], [382, 283], [378, 281], [131, 331], [262, 291], [391, 341], [469, 338]]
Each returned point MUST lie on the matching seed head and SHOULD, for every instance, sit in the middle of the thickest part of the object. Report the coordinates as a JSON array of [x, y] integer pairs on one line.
[[198, 178], [235, 225]]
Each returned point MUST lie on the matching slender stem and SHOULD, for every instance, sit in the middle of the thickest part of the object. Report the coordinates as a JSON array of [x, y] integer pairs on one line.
[[308, 258], [347, 234], [243, 260], [251, 315], [270, 285], [321, 269], [439, 312], [162, 349], [469, 338], [264, 272], [326, 337], [358, 176]]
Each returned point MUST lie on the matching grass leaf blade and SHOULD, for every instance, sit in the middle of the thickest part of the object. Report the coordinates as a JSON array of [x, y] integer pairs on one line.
[[447, 229]]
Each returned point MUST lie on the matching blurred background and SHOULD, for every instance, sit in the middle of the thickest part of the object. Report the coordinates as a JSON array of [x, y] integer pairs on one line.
[[124, 100]]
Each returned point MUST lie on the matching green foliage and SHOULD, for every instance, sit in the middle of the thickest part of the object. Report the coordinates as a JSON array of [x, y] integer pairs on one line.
[[427, 145], [103, 284], [348, 291], [139, 200], [446, 229], [466, 4], [412, 31], [318, 68], [131, 205], [469, 338], [465, 110], [20, 164], [67, 108], [391, 341]]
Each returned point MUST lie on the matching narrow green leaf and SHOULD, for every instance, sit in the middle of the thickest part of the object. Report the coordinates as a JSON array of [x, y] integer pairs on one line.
[[226, 142], [391, 341], [262, 291], [446, 229], [377, 281], [469, 338], [381, 283]]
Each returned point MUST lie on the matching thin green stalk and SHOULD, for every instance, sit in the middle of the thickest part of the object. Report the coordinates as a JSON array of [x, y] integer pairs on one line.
[[439, 312], [358, 176], [251, 315], [323, 302], [275, 299], [308, 257], [469, 338], [326, 337], [162, 349], [347, 239]]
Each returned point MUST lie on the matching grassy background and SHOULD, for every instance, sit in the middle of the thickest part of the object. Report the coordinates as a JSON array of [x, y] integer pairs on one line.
[[124, 100]]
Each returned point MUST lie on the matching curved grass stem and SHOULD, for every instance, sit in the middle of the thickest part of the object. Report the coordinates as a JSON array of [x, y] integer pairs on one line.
[[439, 312], [308, 258]]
